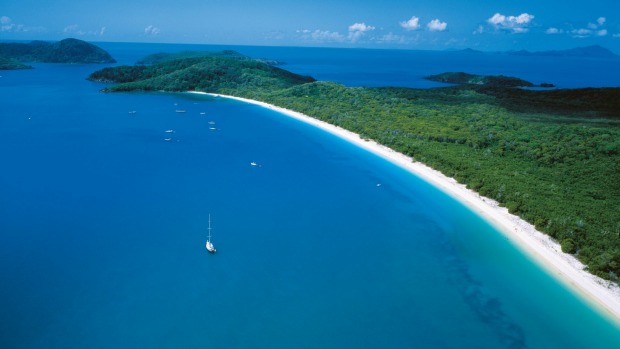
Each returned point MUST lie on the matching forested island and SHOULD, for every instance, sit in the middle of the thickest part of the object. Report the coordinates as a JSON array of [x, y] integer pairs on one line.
[[460, 78], [551, 157], [14, 54], [219, 71], [7, 63]]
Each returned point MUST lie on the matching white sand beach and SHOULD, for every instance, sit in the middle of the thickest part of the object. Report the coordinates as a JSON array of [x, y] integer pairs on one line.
[[601, 294]]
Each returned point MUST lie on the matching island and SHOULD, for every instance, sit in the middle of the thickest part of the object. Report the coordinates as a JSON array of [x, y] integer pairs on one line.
[[593, 51], [167, 56], [219, 71], [7, 63], [13, 54], [460, 78], [551, 157]]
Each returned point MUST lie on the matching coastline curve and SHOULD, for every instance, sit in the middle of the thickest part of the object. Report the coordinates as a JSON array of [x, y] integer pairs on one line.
[[601, 294]]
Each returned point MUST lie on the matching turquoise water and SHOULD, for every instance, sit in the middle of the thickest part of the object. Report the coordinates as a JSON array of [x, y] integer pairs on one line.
[[103, 224]]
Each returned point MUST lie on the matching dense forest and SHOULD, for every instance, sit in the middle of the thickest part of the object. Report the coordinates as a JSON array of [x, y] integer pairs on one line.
[[64, 51], [7, 63], [551, 157], [461, 78], [205, 73]]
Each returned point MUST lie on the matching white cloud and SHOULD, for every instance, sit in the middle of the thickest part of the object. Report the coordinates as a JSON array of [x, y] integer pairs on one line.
[[436, 25], [321, 36], [591, 29], [391, 38], [70, 29], [74, 29], [518, 30], [412, 24], [5, 24], [581, 33], [151, 30], [360, 27], [515, 24], [326, 35], [616, 35], [594, 28], [357, 30], [479, 30], [599, 22], [497, 19]]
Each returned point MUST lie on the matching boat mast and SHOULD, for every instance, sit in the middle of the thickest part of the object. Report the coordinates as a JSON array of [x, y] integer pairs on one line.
[[209, 237]]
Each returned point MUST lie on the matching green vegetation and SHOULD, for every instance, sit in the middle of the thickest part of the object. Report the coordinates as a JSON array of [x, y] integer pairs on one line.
[[470, 79], [64, 51], [7, 63], [165, 57], [221, 74], [551, 157]]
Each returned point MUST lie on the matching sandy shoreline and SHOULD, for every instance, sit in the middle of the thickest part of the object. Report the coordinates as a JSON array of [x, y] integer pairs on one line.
[[598, 292]]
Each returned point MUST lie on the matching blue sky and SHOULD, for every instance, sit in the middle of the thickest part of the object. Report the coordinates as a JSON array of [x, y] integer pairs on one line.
[[424, 24]]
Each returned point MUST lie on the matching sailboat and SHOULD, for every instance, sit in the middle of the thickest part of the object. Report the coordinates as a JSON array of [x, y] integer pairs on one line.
[[209, 245]]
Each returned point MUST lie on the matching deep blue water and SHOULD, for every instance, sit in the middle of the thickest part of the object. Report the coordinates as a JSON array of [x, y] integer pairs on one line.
[[103, 223], [365, 67]]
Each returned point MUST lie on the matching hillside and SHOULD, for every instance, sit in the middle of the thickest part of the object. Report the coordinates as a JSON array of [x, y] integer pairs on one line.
[[216, 73], [551, 157], [166, 56], [461, 78], [7, 63], [64, 51]]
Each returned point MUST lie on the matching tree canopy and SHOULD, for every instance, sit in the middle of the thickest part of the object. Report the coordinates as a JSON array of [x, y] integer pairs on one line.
[[64, 51]]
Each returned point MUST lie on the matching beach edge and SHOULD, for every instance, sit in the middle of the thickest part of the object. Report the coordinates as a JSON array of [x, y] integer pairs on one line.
[[601, 294]]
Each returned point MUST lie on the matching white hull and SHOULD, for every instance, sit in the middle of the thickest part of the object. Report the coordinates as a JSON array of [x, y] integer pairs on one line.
[[209, 245]]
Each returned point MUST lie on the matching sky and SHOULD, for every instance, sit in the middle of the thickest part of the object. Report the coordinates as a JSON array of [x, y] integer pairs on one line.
[[488, 25]]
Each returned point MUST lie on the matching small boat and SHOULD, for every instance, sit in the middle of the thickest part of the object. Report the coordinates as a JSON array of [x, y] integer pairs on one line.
[[180, 110], [132, 112], [167, 139], [169, 131], [209, 245], [253, 163], [211, 122]]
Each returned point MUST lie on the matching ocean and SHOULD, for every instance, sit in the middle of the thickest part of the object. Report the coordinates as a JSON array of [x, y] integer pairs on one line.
[[104, 215]]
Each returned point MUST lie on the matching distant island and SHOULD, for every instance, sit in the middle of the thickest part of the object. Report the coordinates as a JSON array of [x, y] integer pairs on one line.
[[551, 157], [594, 51], [164, 56], [460, 78], [13, 55], [221, 71]]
